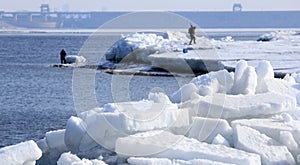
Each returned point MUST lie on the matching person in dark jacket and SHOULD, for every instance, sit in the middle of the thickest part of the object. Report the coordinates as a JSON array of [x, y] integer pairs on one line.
[[63, 55], [192, 32]]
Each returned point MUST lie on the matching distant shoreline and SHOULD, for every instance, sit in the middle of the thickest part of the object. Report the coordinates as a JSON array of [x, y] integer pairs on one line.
[[204, 19], [122, 31]]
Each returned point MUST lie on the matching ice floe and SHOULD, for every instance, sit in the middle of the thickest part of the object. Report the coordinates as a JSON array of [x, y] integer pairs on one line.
[[165, 50], [271, 151]]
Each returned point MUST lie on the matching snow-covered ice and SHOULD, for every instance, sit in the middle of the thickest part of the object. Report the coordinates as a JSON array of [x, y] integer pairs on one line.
[[25, 153], [139, 46], [164, 50]]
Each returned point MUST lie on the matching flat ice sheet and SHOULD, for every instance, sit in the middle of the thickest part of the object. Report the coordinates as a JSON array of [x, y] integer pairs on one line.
[[163, 144]]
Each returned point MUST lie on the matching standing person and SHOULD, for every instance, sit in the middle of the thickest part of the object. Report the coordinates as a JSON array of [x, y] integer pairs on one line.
[[192, 32], [63, 55]]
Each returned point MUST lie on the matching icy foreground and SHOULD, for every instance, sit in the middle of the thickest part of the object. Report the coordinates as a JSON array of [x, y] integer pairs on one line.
[[246, 117]]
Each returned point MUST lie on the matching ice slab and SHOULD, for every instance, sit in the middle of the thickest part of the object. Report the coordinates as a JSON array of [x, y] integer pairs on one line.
[[185, 93], [207, 84], [56, 139], [115, 120], [276, 128], [214, 82], [53, 145], [162, 144], [271, 127], [245, 83], [240, 106], [71, 159], [75, 131], [206, 129], [23, 153], [165, 161], [271, 151]]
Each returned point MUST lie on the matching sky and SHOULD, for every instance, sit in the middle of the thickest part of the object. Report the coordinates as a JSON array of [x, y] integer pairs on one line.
[[149, 5]]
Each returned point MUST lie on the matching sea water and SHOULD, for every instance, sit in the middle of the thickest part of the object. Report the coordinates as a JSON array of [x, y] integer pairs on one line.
[[36, 97]]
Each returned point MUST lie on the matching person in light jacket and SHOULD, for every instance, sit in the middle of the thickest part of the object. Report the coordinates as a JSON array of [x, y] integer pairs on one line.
[[192, 32]]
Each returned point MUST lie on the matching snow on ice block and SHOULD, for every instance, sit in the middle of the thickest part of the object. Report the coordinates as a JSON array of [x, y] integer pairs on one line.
[[207, 84], [126, 118], [240, 106], [247, 83], [184, 93], [70, 159], [75, 59], [264, 71], [205, 129], [271, 151], [163, 144], [220, 140], [23, 153], [165, 161]]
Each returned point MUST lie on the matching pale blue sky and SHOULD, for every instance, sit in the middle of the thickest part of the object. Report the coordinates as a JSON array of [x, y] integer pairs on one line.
[[149, 5]]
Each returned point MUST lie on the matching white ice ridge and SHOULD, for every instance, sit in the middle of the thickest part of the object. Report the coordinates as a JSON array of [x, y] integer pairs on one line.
[[139, 46], [249, 92], [150, 144], [165, 50], [25, 153]]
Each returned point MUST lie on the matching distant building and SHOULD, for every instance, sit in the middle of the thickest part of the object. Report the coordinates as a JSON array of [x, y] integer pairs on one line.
[[237, 7], [45, 9]]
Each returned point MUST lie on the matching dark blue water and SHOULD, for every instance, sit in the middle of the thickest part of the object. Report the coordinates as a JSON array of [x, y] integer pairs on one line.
[[36, 97]]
